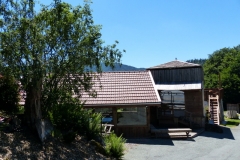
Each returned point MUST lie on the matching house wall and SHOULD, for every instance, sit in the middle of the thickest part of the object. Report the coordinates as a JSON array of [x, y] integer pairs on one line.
[[178, 75], [136, 117], [194, 102], [135, 131]]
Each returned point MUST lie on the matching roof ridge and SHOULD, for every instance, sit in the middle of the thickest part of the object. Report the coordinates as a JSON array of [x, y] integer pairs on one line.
[[122, 71], [175, 64], [187, 62]]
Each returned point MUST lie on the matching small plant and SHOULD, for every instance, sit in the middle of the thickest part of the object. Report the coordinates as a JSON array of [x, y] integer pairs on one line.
[[94, 127], [56, 133], [114, 145]]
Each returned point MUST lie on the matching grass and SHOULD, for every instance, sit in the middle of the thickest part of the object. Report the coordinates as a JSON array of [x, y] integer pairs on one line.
[[231, 122]]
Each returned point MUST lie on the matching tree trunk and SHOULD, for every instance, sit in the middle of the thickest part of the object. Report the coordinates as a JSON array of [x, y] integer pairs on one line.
[[33, 105], [33, 113]]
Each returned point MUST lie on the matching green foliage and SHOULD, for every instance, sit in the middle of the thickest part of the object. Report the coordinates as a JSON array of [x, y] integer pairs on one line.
[[69, 136], [197, 61], [222, 70], [50, 50], [56, 133], [114, 145], [94, 126], [9, 94], [69, 114]]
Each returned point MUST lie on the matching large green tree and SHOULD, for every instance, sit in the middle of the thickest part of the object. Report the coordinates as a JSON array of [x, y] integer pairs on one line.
[[222, 70], [51, 50]]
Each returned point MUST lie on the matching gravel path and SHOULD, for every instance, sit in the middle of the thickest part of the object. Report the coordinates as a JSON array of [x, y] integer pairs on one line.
[[208, 145]]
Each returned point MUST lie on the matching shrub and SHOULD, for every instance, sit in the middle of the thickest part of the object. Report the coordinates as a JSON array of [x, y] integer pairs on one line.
[[56, 133], [9, 94], [69, 136], [71, 115], [114, 145], [94, 125]]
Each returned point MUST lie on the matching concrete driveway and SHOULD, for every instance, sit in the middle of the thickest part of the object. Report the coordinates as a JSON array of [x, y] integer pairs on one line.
[[207, 145]]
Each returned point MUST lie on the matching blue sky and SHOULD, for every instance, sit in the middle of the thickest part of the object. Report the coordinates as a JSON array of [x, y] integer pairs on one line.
[[157, 31]]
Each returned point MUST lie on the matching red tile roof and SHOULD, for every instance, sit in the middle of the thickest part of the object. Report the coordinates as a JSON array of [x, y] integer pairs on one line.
[[123, 88], [119, 88]]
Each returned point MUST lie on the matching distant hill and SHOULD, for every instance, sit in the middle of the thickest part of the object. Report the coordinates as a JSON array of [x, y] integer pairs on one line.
[[122, 67], [117, 67]]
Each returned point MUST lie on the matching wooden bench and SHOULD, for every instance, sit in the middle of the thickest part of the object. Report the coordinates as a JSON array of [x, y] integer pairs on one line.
[[171, 130]]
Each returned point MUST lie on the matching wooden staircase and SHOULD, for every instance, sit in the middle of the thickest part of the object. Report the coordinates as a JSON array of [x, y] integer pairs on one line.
[[214, 108]]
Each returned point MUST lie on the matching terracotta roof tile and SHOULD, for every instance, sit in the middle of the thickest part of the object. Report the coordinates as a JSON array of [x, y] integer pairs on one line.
[[119, 88], [122, 88]]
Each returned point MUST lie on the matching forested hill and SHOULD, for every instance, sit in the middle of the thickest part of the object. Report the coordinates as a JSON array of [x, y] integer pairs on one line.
[[122, 67], [197, 61]]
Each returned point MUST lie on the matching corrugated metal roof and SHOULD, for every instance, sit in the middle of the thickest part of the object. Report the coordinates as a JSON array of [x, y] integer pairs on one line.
[[175, 64], [192, 86], [123, 88]]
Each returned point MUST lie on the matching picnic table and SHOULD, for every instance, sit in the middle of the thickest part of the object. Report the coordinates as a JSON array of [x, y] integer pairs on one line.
[[107, 128], [170, 130]]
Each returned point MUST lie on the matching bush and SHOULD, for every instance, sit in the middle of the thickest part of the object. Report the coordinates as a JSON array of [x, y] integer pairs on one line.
[[69, 136], [56, 133], [9, 95], [71, 115], [94, 125], [114, 145]]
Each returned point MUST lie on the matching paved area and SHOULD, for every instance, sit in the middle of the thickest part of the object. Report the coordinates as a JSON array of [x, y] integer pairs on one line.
[[207, 145]]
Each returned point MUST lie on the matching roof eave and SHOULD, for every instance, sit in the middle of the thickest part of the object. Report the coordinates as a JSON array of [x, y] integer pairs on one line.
[[122, 105]]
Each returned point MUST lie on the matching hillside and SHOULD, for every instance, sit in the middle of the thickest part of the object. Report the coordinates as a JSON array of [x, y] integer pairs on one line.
[[122, 67], [118, 67], [25, 145]]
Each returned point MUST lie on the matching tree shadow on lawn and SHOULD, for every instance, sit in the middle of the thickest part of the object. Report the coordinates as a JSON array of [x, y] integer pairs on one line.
[[226, 134], [232, 123]]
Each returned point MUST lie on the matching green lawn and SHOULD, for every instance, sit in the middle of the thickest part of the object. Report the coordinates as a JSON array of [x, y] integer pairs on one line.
[[232, 122]]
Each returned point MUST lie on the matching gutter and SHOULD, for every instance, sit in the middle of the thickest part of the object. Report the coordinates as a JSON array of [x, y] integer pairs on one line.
[[122, 105]]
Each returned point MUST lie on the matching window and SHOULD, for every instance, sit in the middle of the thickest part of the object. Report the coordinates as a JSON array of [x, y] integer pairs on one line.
[[106, 114], [132, 116]]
